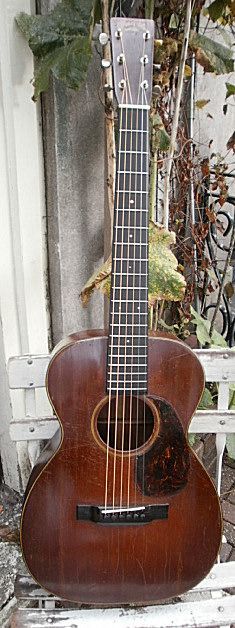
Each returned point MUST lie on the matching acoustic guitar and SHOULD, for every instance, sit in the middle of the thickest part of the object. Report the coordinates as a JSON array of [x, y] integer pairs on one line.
[[118, 509]]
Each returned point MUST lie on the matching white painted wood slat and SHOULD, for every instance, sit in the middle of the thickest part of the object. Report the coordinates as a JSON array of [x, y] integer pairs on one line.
[[41, 428], [28, 371], [206, 613], [219, 366]]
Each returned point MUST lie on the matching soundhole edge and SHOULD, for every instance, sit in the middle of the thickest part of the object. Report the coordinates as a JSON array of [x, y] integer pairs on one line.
[[136, 432]]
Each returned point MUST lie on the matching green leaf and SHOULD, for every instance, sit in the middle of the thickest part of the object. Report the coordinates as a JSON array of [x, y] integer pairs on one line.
[[165, 282], [206, 401], [213, 57], [160, 137], [68, 64], [230, 444], [202, 331], [230, 90], [216, 9], [61, 42], [174, 21]]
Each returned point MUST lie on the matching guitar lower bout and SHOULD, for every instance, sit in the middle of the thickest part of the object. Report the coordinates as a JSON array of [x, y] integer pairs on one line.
[[165, 536]]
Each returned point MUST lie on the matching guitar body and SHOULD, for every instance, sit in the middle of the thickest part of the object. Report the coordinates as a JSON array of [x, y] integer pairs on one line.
[[112, 563]]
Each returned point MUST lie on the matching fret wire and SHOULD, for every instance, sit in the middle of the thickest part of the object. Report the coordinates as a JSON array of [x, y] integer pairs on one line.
[[133, 192], [130, 209], [131, 106], [131, 335], [130, 346], [134, 131], [134, 367], [134, 152], [131, 259], [128, 381], [132, 389], [131, 172]]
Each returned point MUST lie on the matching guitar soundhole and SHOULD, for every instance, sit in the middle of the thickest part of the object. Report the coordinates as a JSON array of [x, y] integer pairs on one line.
[[131, 423]]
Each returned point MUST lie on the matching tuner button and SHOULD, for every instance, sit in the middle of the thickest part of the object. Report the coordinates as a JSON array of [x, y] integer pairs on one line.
[[103, 39], [105, 63]]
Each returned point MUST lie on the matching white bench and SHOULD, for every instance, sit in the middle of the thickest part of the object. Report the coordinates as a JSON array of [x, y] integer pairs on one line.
[[208, 604]]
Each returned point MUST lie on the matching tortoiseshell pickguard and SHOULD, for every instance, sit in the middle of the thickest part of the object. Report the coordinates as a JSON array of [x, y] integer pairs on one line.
[[163, 470]]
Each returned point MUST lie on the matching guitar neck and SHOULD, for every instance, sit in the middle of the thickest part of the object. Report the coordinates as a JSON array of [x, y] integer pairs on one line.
[[128, 331]]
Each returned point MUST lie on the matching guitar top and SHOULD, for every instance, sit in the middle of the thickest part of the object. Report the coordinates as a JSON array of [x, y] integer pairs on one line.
[[118, 509]]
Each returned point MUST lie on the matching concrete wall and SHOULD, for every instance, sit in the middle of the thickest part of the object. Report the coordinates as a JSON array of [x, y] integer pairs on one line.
[[74, 147]]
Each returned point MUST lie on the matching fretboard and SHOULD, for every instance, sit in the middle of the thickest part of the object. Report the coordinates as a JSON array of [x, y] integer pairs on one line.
[[128, 328]]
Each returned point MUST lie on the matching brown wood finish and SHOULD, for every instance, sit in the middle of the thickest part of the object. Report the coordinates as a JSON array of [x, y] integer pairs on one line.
[[109, 565]]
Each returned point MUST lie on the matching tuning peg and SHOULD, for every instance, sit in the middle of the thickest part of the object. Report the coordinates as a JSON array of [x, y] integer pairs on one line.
[[103, 39], [105, 63]]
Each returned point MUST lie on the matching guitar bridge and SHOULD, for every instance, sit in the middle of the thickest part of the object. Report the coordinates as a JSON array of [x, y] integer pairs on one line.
[[122, 516]]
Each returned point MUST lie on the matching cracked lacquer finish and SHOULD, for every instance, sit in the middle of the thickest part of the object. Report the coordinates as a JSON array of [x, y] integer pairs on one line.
[[97, 564]]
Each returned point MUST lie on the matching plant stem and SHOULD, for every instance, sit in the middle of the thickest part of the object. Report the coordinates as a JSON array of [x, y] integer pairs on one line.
[[161, 309], [153, 187], [156, 316], [175, 122], [109, 121], [220, 293], [149, 9]]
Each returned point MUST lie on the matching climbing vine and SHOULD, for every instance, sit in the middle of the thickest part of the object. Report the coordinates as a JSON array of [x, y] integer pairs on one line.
[[61, 42]]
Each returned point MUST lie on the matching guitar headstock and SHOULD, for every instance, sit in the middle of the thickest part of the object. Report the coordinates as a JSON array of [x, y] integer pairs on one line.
[[132, 52]]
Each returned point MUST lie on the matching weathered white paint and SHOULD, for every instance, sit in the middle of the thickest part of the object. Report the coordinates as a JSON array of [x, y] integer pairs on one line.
[[218, 364], [216, 612], [22, 214], [42, 428], [219, 127]]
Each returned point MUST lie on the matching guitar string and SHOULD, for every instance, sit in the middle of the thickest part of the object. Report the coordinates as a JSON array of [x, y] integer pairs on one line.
[[133, 338], [146, 334], [126, 87], [128, 214], [119, 321], [140, 231], [133, 278], [120, 307], [110, 366], [128, 256]]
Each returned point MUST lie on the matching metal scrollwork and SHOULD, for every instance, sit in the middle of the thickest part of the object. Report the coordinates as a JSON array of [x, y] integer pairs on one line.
[[218, 238]]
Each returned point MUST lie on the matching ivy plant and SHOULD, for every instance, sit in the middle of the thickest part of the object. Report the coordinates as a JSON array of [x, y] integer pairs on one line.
[[60, 42], [165, 281]]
